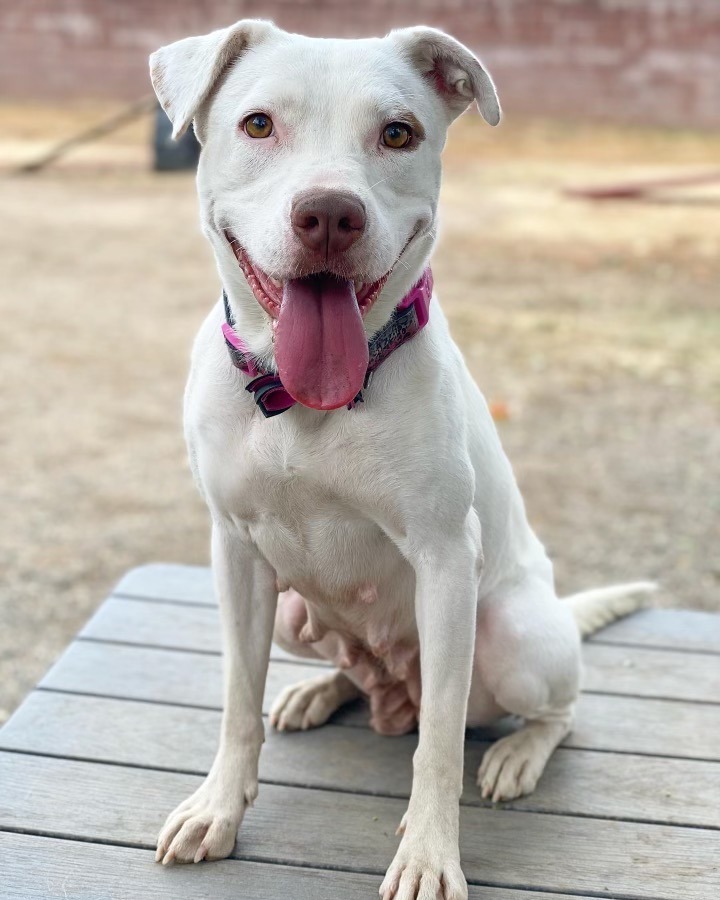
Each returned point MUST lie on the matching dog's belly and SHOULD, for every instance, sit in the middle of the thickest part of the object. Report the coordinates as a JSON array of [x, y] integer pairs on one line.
[[375, 643], [337, 560], [346, 594]]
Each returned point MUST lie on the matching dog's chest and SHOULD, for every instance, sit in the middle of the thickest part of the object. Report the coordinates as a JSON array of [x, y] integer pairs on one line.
[[316, 542], [299, 502]]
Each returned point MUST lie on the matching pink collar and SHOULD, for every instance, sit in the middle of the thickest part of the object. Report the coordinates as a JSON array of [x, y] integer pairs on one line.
[[409, 316]]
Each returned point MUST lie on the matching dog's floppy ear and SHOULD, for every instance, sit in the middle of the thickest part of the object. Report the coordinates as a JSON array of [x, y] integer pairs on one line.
[[456, 73], [184, 73]]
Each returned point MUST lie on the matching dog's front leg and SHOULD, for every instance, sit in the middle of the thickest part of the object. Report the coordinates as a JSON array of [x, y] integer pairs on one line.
[[427, 863], [205, 825]]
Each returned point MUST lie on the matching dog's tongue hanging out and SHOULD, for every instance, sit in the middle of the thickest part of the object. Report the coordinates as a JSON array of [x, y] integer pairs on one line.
[[320, 343]]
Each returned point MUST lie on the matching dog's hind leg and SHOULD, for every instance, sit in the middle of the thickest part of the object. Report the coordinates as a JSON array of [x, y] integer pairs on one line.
[[528, 657], [513, 765], [311, 703]]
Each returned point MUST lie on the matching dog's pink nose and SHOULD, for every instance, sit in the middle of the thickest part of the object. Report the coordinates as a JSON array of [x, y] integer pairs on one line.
[[328, 222]]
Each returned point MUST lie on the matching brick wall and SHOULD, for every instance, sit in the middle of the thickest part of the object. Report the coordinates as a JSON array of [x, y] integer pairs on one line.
[[655, 61]]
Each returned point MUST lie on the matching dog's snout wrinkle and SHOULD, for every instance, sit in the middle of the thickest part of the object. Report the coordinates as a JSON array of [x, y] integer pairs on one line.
[[328, 222]]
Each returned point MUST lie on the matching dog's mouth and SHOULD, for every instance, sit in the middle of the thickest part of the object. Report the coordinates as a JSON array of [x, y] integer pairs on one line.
[[321, 348], [269, 291]]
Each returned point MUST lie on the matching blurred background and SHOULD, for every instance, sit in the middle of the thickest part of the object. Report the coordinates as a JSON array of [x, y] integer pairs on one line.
[[579, 264]]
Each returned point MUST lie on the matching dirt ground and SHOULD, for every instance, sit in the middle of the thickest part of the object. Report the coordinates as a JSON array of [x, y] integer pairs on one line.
[[596, 325]]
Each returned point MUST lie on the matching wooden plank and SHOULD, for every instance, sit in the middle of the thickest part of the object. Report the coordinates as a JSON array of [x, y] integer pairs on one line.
[[195, 629], [353, 832], [163, 676], [169, 581], [676, 629], [156, 624], [140, 734], [642, 672], [170, 626], [619, 724], [576, 781], [661, 628], [645, 672], [177, 677], [655, 727], [71, 870]]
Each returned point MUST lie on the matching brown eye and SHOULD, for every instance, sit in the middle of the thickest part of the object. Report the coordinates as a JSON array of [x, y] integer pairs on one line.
[[397, 135], [258, 125]]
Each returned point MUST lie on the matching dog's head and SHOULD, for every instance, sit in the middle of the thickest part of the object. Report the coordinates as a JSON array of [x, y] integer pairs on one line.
[[318, 180]]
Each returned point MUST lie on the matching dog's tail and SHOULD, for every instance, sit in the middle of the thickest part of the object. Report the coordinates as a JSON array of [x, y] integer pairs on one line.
[[599, 607]]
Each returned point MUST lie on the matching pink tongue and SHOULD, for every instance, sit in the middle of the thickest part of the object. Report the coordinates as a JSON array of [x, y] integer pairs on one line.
[[320, 343]]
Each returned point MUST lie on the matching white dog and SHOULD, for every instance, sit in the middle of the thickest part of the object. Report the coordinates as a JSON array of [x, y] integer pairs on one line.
[[392, 528]]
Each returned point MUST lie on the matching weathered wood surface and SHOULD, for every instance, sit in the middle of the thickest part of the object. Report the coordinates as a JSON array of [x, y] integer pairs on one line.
[[604, 722], [587, 782], [675, 629], [357, 833], [171, 626], [126, 724], [636, 671], [71, 870], [165, 676], [195, 679], [169, 582]]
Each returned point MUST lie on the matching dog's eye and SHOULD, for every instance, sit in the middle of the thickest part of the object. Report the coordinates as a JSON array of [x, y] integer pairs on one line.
[[258, 125], [397, 135]]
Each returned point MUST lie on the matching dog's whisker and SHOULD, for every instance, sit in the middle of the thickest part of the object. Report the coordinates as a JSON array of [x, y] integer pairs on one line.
[[382, 180]]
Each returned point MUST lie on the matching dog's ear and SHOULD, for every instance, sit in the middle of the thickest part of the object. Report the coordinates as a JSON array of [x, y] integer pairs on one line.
[[184, 73], [456, 73]]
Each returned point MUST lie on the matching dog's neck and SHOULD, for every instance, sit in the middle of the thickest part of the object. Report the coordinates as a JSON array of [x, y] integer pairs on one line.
[[409, 317]]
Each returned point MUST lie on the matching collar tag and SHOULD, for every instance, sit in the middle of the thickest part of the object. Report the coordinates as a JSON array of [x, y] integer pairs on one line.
[[270, 395]]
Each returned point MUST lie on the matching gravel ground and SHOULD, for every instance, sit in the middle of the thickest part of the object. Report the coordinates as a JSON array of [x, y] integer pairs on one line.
[[596, 325]]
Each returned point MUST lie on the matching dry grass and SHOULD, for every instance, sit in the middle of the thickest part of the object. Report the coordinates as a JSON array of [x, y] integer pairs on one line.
[[598, 325]]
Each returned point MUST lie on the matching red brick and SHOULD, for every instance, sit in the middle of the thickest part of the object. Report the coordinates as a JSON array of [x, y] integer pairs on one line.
[[634, 60]]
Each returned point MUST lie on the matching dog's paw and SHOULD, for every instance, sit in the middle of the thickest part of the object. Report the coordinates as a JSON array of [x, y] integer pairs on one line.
[[511, 767], [310, 703], [203, 827], [421, 872]]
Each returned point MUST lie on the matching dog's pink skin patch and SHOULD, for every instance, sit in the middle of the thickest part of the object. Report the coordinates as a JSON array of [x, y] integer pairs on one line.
[[392, 712], [388, 673], [321, 347], [294, 614], [367, 593]]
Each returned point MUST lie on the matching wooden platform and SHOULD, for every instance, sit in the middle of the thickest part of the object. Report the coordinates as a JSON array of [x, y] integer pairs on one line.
[[123, 727]]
